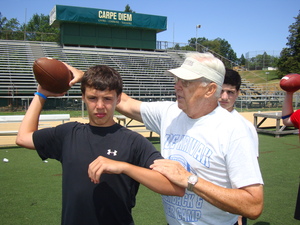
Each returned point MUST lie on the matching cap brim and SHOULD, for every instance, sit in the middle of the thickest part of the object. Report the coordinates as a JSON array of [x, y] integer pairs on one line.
[[183, 73]]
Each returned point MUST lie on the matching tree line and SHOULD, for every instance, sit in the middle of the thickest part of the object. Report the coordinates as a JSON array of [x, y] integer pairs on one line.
[[38, 29]]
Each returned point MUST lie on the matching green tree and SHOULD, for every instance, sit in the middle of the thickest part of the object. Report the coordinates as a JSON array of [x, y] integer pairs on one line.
[[192, 43], [2, 21], [128, 9], [242, 60], [261, 61], [212, 45], [177, 47], [187, 48], [12, 25], [227, 51], [289, 61], [38, 29], [10, 29], [218, 46]]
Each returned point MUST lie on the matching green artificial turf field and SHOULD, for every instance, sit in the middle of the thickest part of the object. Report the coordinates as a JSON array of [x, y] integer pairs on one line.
[[31, 189]]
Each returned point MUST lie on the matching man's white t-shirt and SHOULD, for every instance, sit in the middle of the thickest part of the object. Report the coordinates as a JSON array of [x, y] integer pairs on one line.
[[216, 147]]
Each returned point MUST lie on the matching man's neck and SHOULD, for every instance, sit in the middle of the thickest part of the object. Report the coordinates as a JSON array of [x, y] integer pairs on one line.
[[205, 109]]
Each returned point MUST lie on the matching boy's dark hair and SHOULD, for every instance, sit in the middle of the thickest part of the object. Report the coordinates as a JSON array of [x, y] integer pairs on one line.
[[102, 77], [233, 78]]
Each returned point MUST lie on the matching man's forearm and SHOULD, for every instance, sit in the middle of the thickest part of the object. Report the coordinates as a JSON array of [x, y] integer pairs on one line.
[[247, 201], [287, 109], [130, 107], [30, 122], [153, 180]]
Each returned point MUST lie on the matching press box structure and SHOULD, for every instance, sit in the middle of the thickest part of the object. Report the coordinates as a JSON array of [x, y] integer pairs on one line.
[[81, 26]]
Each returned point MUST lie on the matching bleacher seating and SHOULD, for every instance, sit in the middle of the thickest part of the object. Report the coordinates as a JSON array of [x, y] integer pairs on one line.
[[142, 71]]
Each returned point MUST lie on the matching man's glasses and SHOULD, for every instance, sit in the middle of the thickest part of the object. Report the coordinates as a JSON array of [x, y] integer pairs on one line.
[[185, 83]]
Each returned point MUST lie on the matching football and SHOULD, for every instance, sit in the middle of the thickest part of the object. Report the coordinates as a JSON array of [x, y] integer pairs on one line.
[[52, 74], [290, 82]]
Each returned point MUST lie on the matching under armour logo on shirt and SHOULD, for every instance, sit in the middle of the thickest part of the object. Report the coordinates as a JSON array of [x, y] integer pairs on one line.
[[109, 152]]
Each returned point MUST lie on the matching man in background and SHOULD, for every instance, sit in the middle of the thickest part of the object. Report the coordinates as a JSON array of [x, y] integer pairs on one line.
[[230, 92]]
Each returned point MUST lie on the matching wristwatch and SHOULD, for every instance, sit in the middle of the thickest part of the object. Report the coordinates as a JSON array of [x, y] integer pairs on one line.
[[192, 180]]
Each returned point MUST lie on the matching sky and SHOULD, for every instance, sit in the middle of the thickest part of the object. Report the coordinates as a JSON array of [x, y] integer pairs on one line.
[[248, 26]]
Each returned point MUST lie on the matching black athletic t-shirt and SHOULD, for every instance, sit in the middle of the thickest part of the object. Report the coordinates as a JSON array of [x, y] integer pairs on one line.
[[76, 145]]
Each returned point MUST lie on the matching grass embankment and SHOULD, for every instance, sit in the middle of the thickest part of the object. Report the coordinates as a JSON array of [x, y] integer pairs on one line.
[[267, 80]]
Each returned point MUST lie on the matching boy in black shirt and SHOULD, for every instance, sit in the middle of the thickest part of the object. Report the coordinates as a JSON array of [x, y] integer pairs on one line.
[[103, 162]]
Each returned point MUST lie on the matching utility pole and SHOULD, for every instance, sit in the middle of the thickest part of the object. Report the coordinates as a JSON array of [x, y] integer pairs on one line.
[[196, 42]]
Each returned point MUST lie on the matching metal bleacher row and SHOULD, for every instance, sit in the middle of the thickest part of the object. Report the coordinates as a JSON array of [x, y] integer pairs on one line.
[[142, 71], [255, 96]]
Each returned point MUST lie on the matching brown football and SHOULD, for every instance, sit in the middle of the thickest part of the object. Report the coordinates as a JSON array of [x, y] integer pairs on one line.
[[52, 74], [290, 82]]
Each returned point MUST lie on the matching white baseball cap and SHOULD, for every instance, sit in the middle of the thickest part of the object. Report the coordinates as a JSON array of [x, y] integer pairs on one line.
[[192, 69]]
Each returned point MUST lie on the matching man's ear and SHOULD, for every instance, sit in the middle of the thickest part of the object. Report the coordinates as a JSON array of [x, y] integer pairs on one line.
[[211, 89]]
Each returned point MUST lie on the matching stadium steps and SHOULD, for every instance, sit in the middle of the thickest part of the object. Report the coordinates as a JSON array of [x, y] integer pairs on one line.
[[142, 71]]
